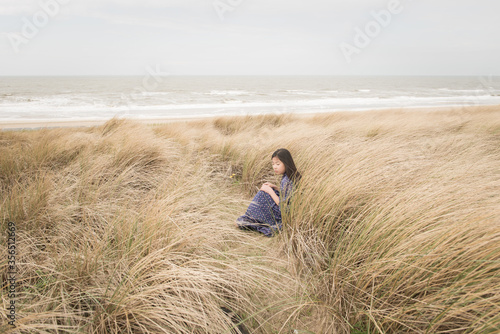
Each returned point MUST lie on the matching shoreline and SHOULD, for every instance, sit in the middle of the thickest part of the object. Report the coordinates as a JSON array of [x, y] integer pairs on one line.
[[34, 124], [52, 124]]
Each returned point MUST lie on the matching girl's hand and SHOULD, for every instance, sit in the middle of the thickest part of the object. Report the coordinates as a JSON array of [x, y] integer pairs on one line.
[[270, 185], [266, 188]]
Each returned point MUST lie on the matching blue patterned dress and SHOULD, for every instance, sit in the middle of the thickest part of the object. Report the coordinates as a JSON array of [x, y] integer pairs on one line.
[[263, 214]]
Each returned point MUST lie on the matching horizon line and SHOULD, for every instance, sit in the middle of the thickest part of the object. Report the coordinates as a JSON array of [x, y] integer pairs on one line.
[[252, 75]]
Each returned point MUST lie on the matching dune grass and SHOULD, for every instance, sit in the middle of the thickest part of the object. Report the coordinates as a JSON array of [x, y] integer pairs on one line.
[[128, 228], [120, 231]]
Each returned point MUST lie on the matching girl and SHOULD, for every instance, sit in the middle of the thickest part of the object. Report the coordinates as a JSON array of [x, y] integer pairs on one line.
[[264, 212]]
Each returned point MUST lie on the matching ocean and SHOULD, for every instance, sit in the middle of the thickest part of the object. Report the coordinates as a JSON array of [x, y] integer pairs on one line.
[[153, 97]]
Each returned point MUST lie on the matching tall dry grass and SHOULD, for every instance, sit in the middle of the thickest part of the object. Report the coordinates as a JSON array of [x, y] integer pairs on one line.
[[396, 222], [122, 231], [129, 228]]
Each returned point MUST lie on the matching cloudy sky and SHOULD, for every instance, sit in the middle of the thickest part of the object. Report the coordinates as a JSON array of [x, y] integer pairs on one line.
[[250, 37]]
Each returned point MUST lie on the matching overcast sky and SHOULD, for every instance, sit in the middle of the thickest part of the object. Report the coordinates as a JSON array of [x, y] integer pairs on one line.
[[250, 37]]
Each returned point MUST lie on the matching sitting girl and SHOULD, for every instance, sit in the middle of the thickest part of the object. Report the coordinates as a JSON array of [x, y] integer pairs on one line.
[[264, 212]]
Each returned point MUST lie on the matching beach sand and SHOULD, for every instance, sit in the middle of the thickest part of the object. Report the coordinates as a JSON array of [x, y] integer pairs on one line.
[[41, 124]]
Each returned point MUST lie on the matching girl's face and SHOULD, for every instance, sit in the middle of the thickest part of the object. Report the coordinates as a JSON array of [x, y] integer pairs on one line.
[[278, 166]]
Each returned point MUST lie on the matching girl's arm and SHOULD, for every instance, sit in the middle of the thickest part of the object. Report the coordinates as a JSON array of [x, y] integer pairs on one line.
[[272, 185], [270, 191]]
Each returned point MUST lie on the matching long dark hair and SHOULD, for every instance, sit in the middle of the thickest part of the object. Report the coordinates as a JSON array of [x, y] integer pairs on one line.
[[286, 158]]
